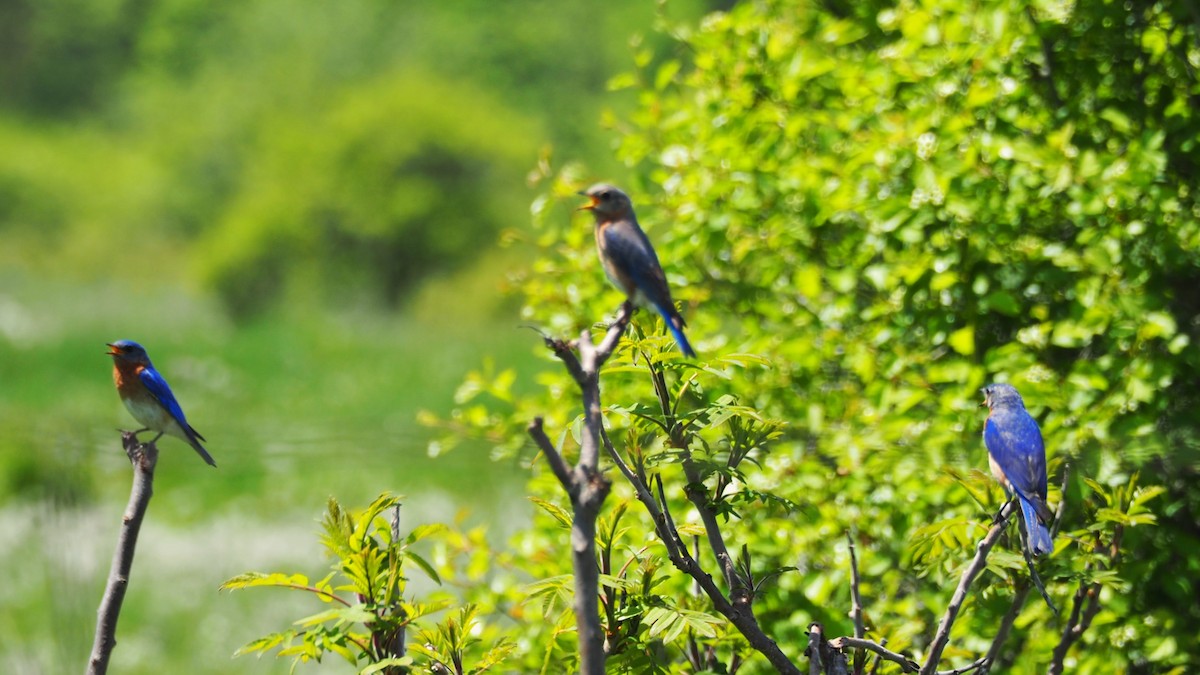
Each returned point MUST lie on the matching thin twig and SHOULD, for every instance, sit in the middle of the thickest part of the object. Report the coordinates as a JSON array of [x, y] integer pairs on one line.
[[976, 664], [662, 525], [907, 665], [856, 608], [878, 659], [1006, 625], [558, 465], [964, 584], [144, 458], [740, 592], [1085, 606]]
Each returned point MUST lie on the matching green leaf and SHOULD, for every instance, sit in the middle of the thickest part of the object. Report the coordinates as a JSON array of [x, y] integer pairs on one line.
[[557, 512]]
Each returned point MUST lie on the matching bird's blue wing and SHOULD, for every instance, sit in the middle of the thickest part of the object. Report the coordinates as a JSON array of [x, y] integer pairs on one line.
[[1015, 442], [631, 254], [158, 386]]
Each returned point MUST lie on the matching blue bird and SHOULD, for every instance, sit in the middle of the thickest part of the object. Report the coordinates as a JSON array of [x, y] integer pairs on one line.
[[148, 397], [629, 259], [1017, 456]]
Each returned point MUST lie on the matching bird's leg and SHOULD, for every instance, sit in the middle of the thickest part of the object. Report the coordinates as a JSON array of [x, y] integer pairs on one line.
[[155, 439], [996, 518], [135, 433]]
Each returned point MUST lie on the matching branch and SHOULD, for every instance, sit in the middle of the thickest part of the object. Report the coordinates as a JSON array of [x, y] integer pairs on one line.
[[144, 458], [558, 465], [584, 483], [979, 663], [964, 584], [662, 523], [737, 606], [856, 608], [907, 665], [824, 658], [740, 592], [1084, 607], [1006, 625]]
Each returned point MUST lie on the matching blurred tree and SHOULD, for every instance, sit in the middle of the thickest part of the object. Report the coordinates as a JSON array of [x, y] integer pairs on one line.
[[368, 196], [61, 57], [152, 120]]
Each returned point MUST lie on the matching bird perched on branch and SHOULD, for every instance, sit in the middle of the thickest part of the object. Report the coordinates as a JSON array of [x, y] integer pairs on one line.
[[149, 398], [629, 259], [1018, 460]]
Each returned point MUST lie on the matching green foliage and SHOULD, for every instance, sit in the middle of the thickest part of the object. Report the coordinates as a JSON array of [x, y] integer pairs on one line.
[[868, 214], [341, 202], [370, 616], [289, 152]]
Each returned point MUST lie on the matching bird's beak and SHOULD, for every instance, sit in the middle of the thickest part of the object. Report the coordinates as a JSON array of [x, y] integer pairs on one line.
[[590, 205], [985, 398], [113, 351]]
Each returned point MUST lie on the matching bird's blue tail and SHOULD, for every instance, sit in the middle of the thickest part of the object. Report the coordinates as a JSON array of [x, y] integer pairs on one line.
[[675, 325], [1039, 535]]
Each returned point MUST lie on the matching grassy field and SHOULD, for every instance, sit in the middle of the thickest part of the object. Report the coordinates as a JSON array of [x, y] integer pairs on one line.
[[295, 407]]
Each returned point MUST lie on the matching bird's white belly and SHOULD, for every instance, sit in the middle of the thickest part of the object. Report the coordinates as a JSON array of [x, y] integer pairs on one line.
[[152, 415]]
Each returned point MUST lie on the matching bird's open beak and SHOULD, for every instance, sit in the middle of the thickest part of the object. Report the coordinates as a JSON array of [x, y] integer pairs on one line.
[[113, 351], [590, 205], [984, 404]]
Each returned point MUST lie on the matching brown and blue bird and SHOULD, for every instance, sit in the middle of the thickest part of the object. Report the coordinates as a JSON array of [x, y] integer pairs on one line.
[[629, 260], [1017, 456], [148, 397]]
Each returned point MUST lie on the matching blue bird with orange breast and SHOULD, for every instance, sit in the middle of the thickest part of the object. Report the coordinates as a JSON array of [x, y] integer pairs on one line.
[[149, 398], [629, 259], [1018, 460]]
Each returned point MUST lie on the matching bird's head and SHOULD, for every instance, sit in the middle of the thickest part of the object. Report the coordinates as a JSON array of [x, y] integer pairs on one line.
[[1000, 394], [607, 202], [128, 351]]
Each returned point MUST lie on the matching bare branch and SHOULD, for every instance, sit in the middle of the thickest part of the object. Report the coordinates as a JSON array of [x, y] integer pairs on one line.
[[584, 483], [856, 608], [964, 584], [907, 665], [977, 663], [144, 458], [557, 464]]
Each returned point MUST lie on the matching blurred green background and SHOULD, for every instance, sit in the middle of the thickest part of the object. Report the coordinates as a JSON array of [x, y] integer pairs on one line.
[[297, 207]]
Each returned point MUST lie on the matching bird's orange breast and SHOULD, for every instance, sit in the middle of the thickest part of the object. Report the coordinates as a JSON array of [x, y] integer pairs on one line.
[[126, 377]]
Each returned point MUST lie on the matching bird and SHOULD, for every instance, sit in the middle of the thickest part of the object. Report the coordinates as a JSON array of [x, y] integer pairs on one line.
[[148, 396], [629, 260], [1017, 456]]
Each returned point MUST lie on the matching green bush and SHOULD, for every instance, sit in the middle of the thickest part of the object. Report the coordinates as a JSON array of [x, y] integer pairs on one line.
[[867, 215]]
